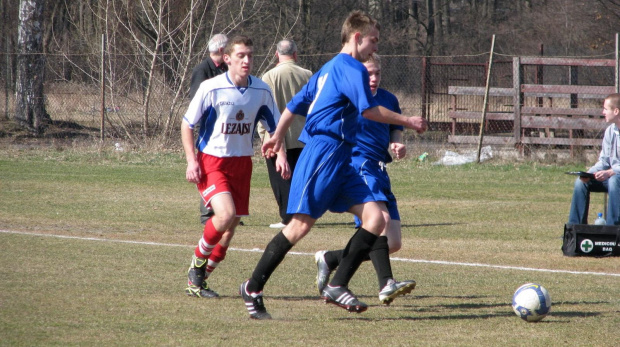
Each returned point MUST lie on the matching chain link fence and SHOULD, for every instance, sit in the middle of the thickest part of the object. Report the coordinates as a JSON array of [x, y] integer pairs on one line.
[[533, 102]]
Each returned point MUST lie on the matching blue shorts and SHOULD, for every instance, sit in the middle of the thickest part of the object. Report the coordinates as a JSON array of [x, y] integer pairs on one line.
[[325, 180], [376, 177]]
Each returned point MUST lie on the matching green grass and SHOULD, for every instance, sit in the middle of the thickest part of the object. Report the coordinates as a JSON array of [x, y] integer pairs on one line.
[[92, 287]]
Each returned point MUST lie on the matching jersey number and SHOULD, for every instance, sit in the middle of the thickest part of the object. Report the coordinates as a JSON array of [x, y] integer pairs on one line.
[[322, 80]]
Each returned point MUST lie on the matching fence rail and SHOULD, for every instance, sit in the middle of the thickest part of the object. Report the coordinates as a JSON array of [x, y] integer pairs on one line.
[[531, 112], [558, 99]]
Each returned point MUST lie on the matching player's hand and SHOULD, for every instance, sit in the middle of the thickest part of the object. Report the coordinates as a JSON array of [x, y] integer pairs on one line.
[[271, 147], [399, 150], [193, 174], [418, 124], [282, 167]]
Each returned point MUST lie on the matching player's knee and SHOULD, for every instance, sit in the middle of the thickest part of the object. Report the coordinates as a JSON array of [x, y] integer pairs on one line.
[[223, 221], [374, 223], [394, 246]]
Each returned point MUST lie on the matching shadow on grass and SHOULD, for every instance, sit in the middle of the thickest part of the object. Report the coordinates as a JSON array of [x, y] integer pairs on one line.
[[560, 303], [321, 225], [421, 313], [453, 316], [430, 225], [277, 298]]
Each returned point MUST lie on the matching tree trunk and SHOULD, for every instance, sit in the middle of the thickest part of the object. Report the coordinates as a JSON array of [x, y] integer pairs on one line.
[[30, 108], [438, 20], [445, 10], [430, 30]]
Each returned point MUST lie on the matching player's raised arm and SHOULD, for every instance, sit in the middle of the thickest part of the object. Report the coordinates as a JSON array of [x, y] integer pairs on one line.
[[383, 115]]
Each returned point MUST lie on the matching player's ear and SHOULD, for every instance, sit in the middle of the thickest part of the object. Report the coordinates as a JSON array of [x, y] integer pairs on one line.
[[358, 37]]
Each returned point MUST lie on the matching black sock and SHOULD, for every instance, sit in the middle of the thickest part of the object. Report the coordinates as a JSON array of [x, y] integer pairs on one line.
[[380, 256], [272, 257], [333, 258], [360, 244]]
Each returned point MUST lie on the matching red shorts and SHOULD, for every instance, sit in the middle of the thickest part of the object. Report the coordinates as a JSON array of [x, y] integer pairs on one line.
[[226, 175]]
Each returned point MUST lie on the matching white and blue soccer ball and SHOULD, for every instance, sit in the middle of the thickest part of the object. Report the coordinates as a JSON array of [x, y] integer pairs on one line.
[[531, 302]]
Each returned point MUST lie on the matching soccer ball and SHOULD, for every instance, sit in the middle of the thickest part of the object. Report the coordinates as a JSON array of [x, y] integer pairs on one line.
[[531, 302]]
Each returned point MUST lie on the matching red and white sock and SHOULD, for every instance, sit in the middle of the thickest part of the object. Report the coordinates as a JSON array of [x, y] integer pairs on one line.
[[210, 238]]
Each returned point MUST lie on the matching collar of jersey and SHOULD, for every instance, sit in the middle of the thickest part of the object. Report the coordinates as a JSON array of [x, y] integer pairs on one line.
[[232, 84]]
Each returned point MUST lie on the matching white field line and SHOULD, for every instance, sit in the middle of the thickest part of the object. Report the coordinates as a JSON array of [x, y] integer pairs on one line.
[[257, 250]]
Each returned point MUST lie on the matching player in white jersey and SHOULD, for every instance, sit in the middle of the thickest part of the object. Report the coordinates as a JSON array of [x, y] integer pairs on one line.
[[227, 108]]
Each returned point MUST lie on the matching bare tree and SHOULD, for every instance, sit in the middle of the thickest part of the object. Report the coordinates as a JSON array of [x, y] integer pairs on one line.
[[30, 108]]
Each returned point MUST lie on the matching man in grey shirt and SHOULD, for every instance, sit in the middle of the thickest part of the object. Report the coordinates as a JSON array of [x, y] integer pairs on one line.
[[606, 171]]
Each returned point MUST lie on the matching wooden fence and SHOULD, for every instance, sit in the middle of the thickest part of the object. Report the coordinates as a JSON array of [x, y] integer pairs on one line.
[[538, 114]]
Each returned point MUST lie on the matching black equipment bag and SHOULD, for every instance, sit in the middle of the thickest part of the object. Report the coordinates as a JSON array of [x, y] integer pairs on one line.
[[591, 240]]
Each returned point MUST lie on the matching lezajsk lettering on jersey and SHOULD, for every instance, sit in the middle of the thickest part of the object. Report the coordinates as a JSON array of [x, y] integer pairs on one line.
[[237, 128]]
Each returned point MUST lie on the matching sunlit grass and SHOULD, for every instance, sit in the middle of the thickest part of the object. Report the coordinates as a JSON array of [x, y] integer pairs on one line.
[[60, 291]]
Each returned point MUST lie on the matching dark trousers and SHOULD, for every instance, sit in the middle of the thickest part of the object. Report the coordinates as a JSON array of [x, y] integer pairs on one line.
[[280, 186]]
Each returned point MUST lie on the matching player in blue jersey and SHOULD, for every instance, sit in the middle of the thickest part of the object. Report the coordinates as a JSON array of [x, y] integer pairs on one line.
[[324, 179], [227, 108], [370, 156]]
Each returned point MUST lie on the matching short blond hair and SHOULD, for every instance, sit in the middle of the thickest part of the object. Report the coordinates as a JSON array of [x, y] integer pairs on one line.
[[614, 100], [357, 21], [373, 59]]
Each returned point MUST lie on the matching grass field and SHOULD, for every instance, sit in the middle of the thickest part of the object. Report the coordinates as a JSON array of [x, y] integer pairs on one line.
[[94, 249]]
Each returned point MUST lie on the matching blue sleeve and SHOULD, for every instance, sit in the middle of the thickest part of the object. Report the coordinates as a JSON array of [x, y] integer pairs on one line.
[[267, 118], [357, 88], [395, 108]]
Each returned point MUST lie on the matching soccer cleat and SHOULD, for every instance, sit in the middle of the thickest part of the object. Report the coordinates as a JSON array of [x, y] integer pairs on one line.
[[201, 292], [341, 296], [254, 302], [393, 289], [196, 283], [322, 276]]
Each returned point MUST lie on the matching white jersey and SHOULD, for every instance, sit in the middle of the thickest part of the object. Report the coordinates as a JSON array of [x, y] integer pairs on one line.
[[228, 115]]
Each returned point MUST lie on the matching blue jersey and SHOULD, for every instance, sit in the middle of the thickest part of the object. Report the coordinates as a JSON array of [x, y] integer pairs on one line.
[[333, 98], [372, 151], [373, 138]]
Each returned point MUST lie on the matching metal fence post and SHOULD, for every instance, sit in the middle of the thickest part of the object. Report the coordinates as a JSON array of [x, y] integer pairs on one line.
[[102, 85]]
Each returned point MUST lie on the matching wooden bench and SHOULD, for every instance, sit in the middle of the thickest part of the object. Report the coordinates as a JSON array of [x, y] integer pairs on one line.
[[583, 125], [561, 118]]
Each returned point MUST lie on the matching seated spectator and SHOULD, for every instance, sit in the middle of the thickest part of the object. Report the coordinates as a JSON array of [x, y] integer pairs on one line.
[[606, 171]]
